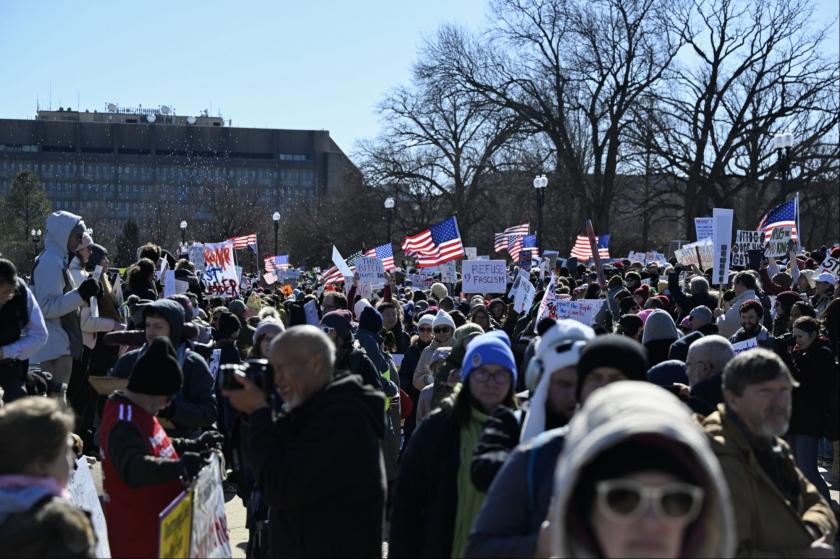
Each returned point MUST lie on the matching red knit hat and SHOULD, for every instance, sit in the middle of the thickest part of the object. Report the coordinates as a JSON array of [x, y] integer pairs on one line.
[[642, 291]]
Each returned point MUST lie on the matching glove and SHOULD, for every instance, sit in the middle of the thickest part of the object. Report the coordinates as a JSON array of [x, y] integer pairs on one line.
[[210, 439], [88, 289], [191, 464]]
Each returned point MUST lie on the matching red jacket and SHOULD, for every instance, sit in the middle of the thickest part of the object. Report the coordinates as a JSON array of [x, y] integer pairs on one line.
[[132, 513]]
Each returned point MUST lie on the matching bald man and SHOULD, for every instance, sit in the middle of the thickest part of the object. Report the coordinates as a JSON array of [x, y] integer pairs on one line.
[[319, 463], [705, 362]]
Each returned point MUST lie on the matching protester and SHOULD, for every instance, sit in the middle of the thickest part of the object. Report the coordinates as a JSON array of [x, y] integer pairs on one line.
[[264, 334], [751, 314], [744, 289], [319, 464], [36, 462], [637, 479], [435, 502], [823, 291], [58, 297], [777, 510], [22, 331], [143, 468], [419, 342], [141, 280], [443, 327], [659, 333], [704, 366]]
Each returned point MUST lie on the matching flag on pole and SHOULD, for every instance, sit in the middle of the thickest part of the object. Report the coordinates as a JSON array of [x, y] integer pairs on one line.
[[515, 246], [245, 241], [273, 263], [783, 215], [385, 253], [500, 243], [334, 274], [501, 240], [583, 252], [436, 245]]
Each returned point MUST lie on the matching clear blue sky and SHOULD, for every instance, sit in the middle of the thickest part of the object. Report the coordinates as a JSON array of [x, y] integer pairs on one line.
[[267, 64]]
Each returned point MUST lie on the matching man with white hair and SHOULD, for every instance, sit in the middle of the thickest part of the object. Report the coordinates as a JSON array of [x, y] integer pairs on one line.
[[704, 364]]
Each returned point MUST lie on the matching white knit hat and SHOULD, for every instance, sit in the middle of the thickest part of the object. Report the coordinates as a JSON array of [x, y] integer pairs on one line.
[[443, 319], [426, 319]]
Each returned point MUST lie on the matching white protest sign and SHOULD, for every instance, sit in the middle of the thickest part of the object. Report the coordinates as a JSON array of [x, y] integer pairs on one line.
[[238, 274], [169, 284], [741, 347], [181, 286], [548, 305], [483, 276], [700, 253], [340, 263], [521, 275], [371, 271], [831, 265], [703, 227], [269, 278], [220, 269], [745, 241], [470, 253], [164, 265], [582, 310], [215, 362], [310, 309], [195, 254], [524, 296], [778, 244], [482, 257], [421, 281], [722, 238], [83, 495], [449, 272], [210, 537]]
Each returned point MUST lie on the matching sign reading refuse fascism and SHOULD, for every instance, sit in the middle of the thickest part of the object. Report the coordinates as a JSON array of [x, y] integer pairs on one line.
[[483, 276]]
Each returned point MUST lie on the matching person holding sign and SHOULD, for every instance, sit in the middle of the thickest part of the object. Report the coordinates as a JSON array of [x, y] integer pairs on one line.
[[823, 291]]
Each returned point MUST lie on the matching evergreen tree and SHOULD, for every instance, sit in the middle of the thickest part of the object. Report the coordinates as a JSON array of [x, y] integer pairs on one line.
[[26, 207]]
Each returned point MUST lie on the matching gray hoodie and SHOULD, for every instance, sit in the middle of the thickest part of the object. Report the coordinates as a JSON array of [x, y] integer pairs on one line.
[[55, 292], [615, 413]]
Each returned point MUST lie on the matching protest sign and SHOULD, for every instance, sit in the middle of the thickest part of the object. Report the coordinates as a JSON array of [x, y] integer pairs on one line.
[[778, 244], [548, 305], [483, 276], [398, 359], [169, 284], [703, 227], [582, 310], [371, 272], [552, 256], [176, 527], [470, 253], [722, 238], [195, 254], [482, 257], [210, 537], [745, 241], [83, 495], [449, 272], [310, 309], [741, 347], [699, 254], [521, 275], [524, 296], [220, 269], [270, 278], [421, 281], [831, 265], [340, 263]]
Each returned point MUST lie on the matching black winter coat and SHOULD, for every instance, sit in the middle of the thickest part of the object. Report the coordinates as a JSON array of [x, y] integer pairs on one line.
[[813, 368], [425, 498], [320, 470]]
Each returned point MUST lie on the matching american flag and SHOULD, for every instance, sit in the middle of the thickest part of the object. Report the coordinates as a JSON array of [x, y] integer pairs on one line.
[[515, 246], [500, 243], [501, 240], [583, 252], [245, 241], [385, 253], [436, 245], [529, 245], [276, 263], [334, 274], [784, 215]]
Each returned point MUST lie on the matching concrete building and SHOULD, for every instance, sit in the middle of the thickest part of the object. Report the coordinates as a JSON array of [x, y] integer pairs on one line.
[[133, 162]]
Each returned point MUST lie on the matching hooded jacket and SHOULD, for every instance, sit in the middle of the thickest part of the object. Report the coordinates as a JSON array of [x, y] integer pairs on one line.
[[195, 404], [730, 322], [319, 467], [55, 292], [615, 413]]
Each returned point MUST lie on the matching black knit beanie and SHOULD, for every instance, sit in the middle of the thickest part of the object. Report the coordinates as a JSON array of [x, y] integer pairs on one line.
[[613, 350], [156, 371]]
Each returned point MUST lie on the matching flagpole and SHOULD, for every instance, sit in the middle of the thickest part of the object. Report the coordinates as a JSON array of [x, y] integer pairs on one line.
[[798, 229], [593, 243]]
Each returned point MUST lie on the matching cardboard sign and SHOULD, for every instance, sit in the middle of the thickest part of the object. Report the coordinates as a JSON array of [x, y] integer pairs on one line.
[[745, 241], [741, 347], [722, 238], [582, 310], [778, 244], [210, 537], [831, 265], [220, 269], [371, 272], [176, 527], [470, 253], [83, 495], [483, 276], [703, 227]]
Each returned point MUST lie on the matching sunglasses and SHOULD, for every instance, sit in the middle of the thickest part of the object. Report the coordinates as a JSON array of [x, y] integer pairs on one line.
[[499, 377], [327, 329], [625, 500], [425, 329], [442, 329]]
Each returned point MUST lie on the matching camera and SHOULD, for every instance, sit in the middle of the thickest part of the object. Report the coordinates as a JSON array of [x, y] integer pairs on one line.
[[257, 371]]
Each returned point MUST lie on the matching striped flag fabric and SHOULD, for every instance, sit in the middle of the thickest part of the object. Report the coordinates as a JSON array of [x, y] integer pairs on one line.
[[333, 275], [273, 263], [515, 246], [583, 252], [436, 245], [783, 215], [501, 241], [385, 253], [245, 241]]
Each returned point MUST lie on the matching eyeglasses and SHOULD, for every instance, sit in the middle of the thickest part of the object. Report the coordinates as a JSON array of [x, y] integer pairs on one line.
[[442, 329], [425, 329], [626, 499], [328, 329], [499, 377]]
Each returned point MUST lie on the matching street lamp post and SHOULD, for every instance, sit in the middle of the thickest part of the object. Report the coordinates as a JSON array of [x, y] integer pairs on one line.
[[183, 233], [389, 210], [782, 143], [540, 184], [35, 234], [276, 218]]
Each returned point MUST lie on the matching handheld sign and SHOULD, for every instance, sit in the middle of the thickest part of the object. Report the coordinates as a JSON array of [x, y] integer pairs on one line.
[[722, 237], [483, 276], [745, 241], [371, 271], [778, 244]]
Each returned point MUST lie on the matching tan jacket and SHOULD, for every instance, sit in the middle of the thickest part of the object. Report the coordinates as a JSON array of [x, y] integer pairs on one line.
[[767, 524]]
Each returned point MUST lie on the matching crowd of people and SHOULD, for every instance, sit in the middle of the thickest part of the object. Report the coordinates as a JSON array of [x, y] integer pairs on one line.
[[425, 421]]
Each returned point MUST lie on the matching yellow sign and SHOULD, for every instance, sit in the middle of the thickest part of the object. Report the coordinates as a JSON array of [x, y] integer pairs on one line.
[[176, 528]]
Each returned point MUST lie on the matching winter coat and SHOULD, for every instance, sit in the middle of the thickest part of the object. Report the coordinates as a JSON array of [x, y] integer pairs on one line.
[[615, 413], [92, 325], [813, 368], [730, 322], [679, 349], [687, 302], [401, 338], [319, 467], [34, 522], [765, 522], [55, 292], [409, 365], [422, 368]]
